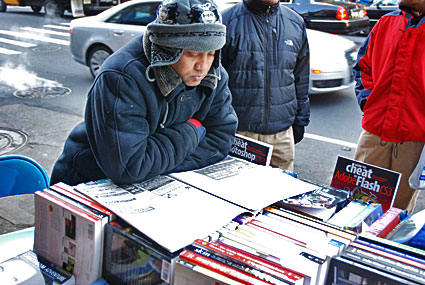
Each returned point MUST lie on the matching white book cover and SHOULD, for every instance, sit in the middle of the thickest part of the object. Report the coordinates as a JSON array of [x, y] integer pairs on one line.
[[68, 237], [246, 184], [168, 211]]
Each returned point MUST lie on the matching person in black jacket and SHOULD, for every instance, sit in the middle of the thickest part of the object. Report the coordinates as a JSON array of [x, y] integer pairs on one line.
[[268, 60], [160, 104]]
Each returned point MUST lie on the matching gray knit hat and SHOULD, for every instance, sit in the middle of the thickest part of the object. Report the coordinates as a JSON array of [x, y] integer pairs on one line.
[[184, 24]]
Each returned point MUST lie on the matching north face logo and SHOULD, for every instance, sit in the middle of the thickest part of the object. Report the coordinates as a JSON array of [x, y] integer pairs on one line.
[[289, 42]]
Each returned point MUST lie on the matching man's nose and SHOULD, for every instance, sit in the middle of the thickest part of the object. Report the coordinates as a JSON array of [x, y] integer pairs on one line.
[[202, 62]]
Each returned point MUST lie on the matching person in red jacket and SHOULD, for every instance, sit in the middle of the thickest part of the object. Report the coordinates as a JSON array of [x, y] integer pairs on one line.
[[390, 89]]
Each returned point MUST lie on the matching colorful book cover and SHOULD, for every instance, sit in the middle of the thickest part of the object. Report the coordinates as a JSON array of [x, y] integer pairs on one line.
[[366, 182]]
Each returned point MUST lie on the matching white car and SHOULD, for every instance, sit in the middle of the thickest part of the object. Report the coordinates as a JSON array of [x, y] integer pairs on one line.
[[94, 38]]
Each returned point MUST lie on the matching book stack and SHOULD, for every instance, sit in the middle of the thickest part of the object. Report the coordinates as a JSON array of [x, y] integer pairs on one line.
[[370, 263], [69, 231]]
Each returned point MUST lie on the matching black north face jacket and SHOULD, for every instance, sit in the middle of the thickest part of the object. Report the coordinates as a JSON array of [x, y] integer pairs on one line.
[[268, 61]]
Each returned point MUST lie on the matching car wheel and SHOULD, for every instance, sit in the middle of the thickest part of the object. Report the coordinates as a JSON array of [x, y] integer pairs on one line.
[[3, 6], [36, 9], [96, 58], [53, 9]]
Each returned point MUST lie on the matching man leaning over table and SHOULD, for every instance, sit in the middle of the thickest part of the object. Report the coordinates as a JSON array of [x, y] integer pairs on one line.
[[160, 104]]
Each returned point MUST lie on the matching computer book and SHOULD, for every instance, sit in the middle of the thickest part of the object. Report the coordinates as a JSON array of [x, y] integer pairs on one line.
[[321, 203], [366, 182], [254, 264], [133, 258], [30, 268], [69, 237]]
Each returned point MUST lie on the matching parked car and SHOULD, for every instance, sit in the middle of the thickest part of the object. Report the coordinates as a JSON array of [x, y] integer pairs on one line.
[[379, 8], [94, 38], [54, 8], [332, 16]]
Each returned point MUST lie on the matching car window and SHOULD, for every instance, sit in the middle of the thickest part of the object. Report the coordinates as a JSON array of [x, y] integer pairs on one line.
[[140, 15]]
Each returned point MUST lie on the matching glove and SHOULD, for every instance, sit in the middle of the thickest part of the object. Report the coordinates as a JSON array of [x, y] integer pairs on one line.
[[298, 132], [199, 128]]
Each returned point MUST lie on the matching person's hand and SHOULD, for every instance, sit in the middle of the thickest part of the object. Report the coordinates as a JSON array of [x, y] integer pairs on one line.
[[199, 128], [298, 132]]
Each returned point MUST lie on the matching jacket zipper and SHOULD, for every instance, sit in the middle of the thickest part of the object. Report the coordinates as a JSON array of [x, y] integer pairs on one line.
[[266, 73]]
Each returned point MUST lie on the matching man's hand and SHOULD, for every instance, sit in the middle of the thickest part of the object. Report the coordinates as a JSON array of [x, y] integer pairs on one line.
[[199, 128]]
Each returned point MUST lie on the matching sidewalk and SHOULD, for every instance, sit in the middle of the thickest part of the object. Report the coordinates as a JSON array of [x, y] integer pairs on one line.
[[16, 213]]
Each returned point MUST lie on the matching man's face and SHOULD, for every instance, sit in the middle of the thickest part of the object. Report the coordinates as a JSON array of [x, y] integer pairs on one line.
[[193, 66], [417, 5]]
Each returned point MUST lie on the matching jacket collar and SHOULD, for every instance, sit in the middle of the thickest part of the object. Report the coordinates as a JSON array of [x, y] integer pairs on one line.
[[260, 7], [168, 79]]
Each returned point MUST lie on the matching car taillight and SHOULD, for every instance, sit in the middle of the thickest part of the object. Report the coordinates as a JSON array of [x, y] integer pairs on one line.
[[70, 31], [341, 13], [364, 10]]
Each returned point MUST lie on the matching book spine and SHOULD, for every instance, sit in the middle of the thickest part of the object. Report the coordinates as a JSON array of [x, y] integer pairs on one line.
[[252, 260], [79, 198], [310, 222], [390, 250], [390, 255], [389, 265], [385, 223], [238, 265], [218, 267]]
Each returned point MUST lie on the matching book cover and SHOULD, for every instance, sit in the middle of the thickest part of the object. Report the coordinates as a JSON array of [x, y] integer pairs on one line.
[[369, 257], [132, 258], [69, 237], [253, 261], [188, 273], [238, 265], [228, 271], [382, 226], [366, 182], [321, 203], [345, 271], [30, 268], [251, 150], [169, 211]]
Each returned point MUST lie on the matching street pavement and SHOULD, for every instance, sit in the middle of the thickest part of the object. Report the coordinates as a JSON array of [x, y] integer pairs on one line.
[[46, 143]]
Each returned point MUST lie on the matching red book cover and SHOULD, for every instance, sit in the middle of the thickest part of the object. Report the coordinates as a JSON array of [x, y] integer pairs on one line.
[[221, 268], [366, 182], [252, 260], [382, 226]]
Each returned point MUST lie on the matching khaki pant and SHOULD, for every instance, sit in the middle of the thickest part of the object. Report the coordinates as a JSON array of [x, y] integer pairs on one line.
[[283, 147], [400, 157]]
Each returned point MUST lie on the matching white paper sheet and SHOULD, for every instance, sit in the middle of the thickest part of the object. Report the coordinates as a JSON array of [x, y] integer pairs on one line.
[[248, 185], [170, 212]]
